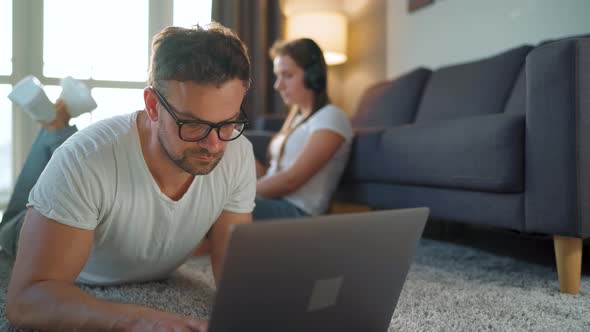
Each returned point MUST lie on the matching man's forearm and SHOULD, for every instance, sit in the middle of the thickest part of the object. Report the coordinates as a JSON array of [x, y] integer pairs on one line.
[[58, 306], [219, 236], [217, 255]]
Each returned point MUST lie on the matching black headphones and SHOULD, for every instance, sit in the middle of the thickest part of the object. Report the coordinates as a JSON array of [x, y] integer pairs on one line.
[[315, 72]]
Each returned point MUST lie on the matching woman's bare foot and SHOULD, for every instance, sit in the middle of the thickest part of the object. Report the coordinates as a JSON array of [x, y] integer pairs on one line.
[[62, 117]]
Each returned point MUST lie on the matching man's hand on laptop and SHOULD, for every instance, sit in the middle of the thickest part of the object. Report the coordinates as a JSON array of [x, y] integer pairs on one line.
[[179, 324]]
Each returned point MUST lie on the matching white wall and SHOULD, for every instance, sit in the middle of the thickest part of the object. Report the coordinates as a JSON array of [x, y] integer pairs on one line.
[[366, 58], [451, 31]]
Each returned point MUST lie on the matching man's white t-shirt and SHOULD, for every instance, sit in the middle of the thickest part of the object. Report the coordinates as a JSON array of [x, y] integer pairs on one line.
[[98, 180], [314, 196]]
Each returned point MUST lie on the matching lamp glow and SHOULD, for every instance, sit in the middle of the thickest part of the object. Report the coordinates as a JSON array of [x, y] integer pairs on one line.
[[328, 29]]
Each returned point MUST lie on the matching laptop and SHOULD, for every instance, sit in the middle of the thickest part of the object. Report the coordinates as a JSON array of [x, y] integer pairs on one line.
[[341, 272]]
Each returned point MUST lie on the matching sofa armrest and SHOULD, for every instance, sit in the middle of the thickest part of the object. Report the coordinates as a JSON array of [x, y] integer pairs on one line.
[[557, 169], [260, 140], [271, 122]]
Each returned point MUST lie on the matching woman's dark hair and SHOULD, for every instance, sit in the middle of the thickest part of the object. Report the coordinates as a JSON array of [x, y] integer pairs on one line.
[[309, 56], [208, 55]]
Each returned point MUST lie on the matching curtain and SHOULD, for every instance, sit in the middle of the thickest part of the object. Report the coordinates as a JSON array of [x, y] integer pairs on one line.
[[258, 23]]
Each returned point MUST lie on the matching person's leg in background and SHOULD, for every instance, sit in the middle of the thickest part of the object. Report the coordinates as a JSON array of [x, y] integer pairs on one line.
[[51, 136], [267, 208]]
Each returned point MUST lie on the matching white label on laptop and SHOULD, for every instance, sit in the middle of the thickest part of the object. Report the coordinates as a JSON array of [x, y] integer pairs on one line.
[[324, 294]]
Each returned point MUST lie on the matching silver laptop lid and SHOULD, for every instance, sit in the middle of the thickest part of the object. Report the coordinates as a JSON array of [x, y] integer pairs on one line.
[[340, 272]]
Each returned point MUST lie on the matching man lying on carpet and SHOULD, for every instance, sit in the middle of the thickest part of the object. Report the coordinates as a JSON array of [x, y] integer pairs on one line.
[[129, 198]]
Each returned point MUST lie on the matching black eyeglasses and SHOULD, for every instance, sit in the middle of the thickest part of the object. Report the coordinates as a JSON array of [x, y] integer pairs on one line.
[[197, 130]]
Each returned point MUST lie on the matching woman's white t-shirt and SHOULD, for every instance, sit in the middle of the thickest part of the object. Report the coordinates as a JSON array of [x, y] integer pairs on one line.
[[98, 180], [315, 195]]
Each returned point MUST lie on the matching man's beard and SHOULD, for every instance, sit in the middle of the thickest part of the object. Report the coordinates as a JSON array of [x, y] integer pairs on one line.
[[186, 161]]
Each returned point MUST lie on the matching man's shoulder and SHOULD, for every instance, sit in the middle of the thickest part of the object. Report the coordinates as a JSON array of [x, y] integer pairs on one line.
[[240, 145], [238, 153], [99, 136]]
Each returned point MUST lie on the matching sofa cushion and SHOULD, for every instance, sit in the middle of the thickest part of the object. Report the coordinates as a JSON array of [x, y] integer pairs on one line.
[[393, 102], [484, 153], [260, 140], [270, 122], [474, 207], [475, 88]]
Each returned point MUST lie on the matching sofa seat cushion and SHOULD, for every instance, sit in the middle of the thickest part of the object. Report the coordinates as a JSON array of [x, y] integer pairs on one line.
[[483, 153]]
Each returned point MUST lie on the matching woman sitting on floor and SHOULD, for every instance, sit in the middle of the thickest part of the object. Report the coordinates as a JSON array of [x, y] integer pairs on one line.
[[308, 155]]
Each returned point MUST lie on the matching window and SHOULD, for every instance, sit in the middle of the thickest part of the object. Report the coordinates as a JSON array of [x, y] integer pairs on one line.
[[5, 140], [104, 43], [6, 158], [116, 101], [117, 51], [83, 121], [110, 102], [5, 37], [81, 44], [190, 12]]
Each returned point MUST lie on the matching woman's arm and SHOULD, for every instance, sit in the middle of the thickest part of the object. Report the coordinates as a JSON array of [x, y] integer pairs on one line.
[[260, 169], [318, 150]]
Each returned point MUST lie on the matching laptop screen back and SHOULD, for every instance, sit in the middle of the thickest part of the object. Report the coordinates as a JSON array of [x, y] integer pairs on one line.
[[339, 272]]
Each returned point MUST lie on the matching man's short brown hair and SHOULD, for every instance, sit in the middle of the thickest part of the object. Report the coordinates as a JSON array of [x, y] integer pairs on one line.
[[209, 55]]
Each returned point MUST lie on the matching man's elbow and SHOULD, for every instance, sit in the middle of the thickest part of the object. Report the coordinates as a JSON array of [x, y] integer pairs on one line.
[[14, 312], [18, 309]]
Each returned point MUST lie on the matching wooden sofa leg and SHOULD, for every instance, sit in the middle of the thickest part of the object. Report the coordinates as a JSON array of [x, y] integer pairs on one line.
[[568, 255]]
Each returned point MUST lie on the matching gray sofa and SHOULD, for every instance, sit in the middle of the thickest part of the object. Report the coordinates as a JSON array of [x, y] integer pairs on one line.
[[502, 141]]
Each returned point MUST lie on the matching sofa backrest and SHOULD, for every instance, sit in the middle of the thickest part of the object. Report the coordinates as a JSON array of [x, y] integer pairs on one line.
[[390, 103], [270, 122], [517, 101], [552, 40], [474, 88]]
